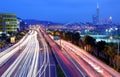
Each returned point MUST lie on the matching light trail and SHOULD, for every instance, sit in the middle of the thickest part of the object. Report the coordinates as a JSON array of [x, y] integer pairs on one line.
[[89, 71], [16, 45], [46, 61], [26, 63], [64, 63], [92, 61], [7, 54]]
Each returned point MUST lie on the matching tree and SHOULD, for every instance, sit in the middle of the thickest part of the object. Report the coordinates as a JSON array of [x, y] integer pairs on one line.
[[117, 62], [88, 42], [68, 36], [76, 38], [110, 53], [100, 47]]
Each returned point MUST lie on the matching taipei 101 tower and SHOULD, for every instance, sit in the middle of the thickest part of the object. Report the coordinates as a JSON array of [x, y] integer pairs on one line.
[[97, 14]]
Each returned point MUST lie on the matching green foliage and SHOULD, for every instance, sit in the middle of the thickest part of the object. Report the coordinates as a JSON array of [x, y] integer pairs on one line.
[[88, 40], [89, 43], [101, 45], [2, 44], [110, 51], [22, 33], [117, 63], [102, 50], [76, 38], [60, 72], [68, 36]]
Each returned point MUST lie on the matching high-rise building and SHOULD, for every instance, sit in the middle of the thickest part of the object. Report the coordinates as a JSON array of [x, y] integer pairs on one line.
[[8, 23], [97, 13], [94, 19], [110, 20], [96, 16]]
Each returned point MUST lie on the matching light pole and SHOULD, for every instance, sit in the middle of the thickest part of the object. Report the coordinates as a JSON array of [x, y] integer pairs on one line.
[[118, 47], [60, 42]]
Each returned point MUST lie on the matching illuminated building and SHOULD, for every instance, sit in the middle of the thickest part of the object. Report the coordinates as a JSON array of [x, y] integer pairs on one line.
[[96, 17], [110, 20], [8, 23], [97, 14]]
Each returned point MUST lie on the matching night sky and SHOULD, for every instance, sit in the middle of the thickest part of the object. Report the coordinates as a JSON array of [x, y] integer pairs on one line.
[[63, 11]]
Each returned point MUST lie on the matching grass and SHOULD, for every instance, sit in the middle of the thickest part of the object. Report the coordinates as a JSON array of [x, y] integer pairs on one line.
[[60, 72]]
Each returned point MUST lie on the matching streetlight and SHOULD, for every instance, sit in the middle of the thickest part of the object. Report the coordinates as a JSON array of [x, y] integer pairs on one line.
[[111, 38], [118, 47]]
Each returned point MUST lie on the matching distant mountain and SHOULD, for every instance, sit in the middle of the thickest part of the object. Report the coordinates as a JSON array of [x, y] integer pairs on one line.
[[23, 24], [47, 23], [75, 24]]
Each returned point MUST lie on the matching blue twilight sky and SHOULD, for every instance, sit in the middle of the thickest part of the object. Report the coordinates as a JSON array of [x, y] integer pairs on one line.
[[62, 10]]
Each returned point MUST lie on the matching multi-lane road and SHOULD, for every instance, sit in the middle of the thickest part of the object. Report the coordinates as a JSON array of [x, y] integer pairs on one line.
[[30, 57], [90, 64], [69, 68], [37, 55]]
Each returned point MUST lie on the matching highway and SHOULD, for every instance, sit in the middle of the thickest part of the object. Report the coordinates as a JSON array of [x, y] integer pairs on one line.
[[30, 57], [37, 55], [69, 68], [26, 62], [48, 64], [7, 54], [89, 63]]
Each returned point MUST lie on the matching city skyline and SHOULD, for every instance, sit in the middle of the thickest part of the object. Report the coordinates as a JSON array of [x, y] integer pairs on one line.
[[62, 11]]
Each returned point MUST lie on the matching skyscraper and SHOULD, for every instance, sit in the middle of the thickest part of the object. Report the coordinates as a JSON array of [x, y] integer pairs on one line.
[[96, 16], [110, 20], [94, 19], [97, 13]]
